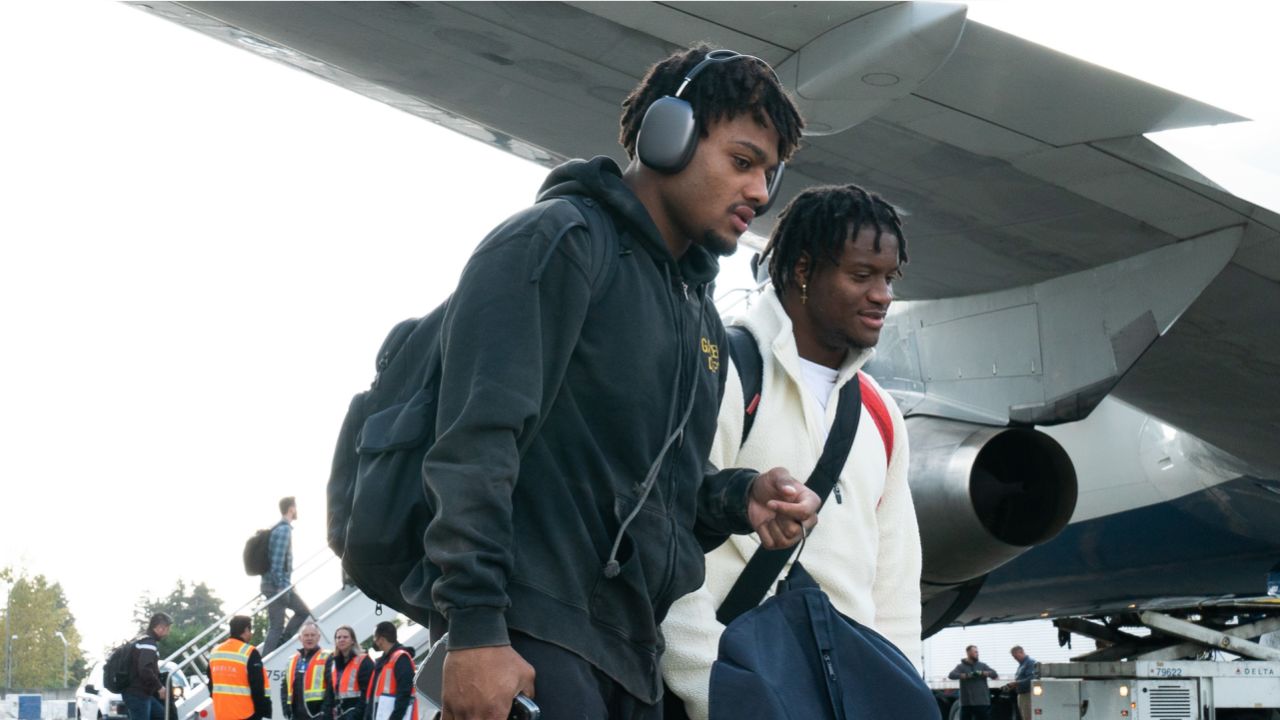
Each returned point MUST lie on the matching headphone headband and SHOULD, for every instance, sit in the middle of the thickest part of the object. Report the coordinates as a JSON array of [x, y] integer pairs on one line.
[[719, 56]]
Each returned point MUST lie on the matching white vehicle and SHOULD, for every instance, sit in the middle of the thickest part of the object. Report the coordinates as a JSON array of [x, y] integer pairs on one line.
[[1158, 690], [95, 702]]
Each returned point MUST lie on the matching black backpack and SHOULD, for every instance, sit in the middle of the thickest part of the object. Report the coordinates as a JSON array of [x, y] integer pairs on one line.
[[377, 505], [257, 553], [118, 672]]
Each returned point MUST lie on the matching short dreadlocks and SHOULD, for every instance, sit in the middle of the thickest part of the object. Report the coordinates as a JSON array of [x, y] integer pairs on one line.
[[720, 92], [818, 221]]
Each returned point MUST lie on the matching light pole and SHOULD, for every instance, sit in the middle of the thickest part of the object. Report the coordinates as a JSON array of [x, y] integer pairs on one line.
[[8, 646], [8, 663], [63, 638]]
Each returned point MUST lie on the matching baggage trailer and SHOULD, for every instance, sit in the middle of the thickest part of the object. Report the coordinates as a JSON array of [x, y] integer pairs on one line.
[[1157, 690]]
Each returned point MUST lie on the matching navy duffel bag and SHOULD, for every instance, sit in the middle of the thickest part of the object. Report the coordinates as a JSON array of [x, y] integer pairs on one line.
[[796, 657]]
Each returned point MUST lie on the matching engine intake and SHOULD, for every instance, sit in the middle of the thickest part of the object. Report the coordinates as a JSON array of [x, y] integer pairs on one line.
[[985, 495]]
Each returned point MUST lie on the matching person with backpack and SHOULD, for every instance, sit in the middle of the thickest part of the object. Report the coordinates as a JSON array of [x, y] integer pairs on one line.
[[237, 681], [346, 677], [279, 577], [145, 696], [569, 495], [833, 258]]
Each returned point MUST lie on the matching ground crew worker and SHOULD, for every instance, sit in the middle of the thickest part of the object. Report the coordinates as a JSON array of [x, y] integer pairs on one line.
[[391, 695], [975, 694], [302, 692], [237, 680], [346, 677], [1028, 670]]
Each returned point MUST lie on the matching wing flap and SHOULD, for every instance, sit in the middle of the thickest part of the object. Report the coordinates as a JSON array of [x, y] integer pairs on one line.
[[1046, 353]]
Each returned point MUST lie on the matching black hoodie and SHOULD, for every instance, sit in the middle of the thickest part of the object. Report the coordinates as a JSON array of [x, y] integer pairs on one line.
[[552, 409]]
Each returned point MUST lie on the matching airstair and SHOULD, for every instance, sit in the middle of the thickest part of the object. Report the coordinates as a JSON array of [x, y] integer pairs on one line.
[[345, 606]]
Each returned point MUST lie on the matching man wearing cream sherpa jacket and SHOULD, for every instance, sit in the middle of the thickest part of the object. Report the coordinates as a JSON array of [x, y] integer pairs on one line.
[[815, 327]]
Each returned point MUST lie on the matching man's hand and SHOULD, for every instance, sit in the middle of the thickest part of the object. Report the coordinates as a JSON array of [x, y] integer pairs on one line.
[[481, 683], [161, 693], [781, 509]]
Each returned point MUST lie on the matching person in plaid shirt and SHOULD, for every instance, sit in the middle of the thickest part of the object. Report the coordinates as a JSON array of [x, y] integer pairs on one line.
[[279, 577]]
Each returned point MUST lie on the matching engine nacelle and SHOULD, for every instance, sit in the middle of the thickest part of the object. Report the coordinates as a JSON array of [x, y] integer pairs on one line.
[[985, 495]]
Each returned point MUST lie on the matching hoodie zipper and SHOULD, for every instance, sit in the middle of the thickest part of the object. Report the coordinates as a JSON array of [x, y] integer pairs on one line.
[[682, 361]]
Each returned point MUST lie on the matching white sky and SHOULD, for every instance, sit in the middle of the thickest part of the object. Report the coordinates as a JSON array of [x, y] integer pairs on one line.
[[200, 252]]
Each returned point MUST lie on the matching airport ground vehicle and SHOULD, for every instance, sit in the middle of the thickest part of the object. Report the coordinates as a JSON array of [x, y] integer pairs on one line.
[[95, 702], [1003, 704], [1158, 690]]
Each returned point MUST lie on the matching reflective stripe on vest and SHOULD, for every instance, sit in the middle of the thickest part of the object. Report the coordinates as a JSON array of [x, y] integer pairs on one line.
[[384, 686], [345, 686], [229, 672], [313, 685]]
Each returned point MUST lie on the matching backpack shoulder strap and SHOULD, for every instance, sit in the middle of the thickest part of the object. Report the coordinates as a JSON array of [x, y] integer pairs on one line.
[[879, 413], [605, 246], [765, 566], [746, 358]]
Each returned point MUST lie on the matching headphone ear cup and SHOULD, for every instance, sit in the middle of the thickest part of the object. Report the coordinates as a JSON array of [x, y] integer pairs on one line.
[[668, 135], [775, 186]]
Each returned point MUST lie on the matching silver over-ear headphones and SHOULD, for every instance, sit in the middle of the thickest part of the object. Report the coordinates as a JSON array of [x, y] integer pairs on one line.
[[669, 133]]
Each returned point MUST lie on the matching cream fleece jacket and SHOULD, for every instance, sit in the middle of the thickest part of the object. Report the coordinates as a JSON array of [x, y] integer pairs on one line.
[[865, 551]]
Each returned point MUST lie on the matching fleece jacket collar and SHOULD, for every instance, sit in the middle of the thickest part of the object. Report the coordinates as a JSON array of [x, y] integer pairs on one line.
[[768, 319]]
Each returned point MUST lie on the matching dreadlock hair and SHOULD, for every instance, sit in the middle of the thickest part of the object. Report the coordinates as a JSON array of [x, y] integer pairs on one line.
[[819, 221], [720, 92]]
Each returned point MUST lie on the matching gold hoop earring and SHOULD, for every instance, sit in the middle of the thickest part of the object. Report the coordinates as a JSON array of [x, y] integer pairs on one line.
[[804, 293]]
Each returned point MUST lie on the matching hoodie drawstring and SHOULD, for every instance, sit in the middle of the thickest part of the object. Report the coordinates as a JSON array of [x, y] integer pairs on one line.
[[612, 568]]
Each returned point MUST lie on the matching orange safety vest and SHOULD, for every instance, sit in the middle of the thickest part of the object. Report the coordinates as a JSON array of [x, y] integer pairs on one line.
[[345, 686], [229, 673], [384, 686], [313, 687]]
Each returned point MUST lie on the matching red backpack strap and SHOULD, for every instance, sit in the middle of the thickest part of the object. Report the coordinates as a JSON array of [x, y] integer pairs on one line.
[[874, 403]]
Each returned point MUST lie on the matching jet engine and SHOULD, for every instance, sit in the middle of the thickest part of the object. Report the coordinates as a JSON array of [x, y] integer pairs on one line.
[[984, 495]]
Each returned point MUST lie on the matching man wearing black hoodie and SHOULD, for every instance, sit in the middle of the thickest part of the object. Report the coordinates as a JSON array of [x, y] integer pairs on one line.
[[571, 495]]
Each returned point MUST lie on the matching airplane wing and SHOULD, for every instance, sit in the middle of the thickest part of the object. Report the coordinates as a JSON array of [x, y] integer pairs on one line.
[[1013, 163], [1027, 186]]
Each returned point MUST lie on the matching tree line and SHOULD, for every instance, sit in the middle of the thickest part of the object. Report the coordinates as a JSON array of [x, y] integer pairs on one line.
[[37, 610]]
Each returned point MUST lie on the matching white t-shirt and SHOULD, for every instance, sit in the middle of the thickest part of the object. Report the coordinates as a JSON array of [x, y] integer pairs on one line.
[[820, 380]]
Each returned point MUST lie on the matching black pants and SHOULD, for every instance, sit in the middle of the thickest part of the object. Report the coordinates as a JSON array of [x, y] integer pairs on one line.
[[570, 688], [277, 631], [975, 712]]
